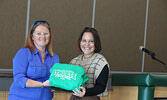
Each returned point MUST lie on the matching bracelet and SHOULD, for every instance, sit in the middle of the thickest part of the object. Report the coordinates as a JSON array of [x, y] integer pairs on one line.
[[42, 85]]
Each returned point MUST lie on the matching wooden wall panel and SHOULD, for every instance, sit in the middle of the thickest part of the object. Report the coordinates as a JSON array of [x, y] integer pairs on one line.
[[120, 24], [157, 37], [121, 27], [12, 29], [119, 93]]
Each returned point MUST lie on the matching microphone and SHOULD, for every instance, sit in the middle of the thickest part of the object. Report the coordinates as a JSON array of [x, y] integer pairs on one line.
[[141, 48]]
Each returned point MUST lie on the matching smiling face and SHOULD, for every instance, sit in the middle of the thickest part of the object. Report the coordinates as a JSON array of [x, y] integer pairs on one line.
[[87, 43], [41, 36]]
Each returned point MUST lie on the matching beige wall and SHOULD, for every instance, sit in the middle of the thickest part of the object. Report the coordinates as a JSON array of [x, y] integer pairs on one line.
[[120, 24]]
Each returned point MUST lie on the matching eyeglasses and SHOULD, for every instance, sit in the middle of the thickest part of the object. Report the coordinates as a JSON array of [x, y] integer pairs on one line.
[[38, 22]]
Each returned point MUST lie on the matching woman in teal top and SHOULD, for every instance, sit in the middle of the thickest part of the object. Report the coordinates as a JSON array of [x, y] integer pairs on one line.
[[31, 65]]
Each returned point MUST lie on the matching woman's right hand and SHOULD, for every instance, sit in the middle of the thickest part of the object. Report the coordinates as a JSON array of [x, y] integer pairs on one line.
[[80, 93], [46, 83]]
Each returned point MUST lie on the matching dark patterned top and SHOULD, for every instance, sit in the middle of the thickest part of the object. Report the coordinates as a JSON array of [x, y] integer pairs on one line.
[[93, 67]]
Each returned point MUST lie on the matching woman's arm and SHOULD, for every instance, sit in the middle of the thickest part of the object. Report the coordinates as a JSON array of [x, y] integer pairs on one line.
[[32, 83], [101, 83], [20, 64]]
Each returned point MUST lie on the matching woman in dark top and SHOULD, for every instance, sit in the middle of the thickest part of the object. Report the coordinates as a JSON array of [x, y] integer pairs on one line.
[[95, 65]]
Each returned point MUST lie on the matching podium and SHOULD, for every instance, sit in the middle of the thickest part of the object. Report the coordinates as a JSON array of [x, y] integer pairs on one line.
[[146, 82]]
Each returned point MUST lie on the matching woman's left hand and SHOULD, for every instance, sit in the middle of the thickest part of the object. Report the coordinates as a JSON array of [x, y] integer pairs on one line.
[[80, 93]]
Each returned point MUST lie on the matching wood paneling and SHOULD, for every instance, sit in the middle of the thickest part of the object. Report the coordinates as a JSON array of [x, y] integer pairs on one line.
[[119, 93]]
